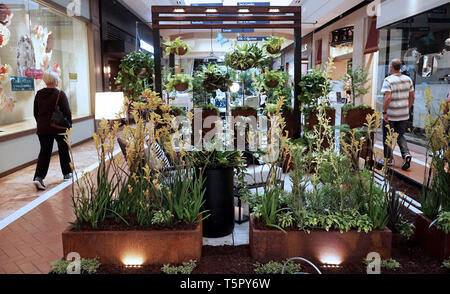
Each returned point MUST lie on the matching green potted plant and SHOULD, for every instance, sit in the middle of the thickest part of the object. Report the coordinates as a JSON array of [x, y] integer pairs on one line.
[[218, 167], [355, 82], [273, 44], [215, 79], [177, 46], [179, 82], [273, 79], [135, 74], [244, 57]]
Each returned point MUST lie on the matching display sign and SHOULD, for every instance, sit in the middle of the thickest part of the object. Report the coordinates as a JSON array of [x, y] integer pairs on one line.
[[34, 73], [251, 38], [73, 76], [22, 84], [238, 30]]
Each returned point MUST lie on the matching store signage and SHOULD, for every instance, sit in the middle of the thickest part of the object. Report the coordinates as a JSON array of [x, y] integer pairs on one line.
[[342, 36], [250, 38], [238, 30], [22, 84], [73, 76], [36, 74]]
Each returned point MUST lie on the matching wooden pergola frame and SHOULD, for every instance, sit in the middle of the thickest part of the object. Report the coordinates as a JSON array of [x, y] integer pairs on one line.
[[287, 17]]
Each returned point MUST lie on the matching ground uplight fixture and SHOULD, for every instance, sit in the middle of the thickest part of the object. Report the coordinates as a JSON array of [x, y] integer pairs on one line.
[[133, 261]]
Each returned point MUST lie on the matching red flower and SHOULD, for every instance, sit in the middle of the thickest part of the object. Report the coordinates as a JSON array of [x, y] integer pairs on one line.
[[2, 70]]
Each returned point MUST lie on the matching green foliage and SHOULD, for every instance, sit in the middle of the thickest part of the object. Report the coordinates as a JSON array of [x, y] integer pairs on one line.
[[217, 159], [200, 95], [357, 79], [406, 229], [245, 56], [178, 79], [210, 107], [177, 110], [175, 45], [350, 106], [446, 264], [163, 217], [215, 79], [135, 74], [186, 269], [389, 264], [312, 87], [339, 221], [275, 268], [244, 107], [88, 266], [443, 221], [273, 44], [285, 219], [273, 76]]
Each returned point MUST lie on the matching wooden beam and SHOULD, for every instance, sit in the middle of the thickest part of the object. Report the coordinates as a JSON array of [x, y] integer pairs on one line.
[[166, 9], [227, 26]]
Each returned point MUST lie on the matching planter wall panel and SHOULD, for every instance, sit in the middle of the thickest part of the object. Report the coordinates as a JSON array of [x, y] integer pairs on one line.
[[434, 241]]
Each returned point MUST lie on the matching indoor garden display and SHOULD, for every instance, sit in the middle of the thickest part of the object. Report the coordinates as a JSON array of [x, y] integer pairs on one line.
[[273, 44], [179, 82], [141, 198], [245, 56], [177, 46], [135, 74], [433, 226], [273, 79]]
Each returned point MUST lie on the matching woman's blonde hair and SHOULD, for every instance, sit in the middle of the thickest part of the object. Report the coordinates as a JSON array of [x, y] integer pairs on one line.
[[51, 78]]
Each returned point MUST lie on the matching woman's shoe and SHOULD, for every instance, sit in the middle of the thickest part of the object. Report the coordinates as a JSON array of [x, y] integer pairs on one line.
[[68, 176], [39, 183]]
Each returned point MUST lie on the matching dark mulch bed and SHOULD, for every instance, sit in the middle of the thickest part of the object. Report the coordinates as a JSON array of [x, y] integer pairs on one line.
[[412, 190], [111, 224], [237, 260]]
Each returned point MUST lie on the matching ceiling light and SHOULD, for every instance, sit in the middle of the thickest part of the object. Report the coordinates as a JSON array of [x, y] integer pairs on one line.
[[274, 10], [178, 10], [243, 10], [211, 10]]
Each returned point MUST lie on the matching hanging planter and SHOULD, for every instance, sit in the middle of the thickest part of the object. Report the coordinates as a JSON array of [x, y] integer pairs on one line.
[[245, 57], [214, 79], [177, 46], [273, 44], [273, 79], [179, 82]]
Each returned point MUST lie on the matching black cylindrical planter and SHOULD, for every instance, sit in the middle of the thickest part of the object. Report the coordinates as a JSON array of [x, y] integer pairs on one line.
[[219, 203]]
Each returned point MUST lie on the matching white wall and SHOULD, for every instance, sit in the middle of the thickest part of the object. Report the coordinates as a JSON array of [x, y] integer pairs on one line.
[[25, 149], [395, 10]]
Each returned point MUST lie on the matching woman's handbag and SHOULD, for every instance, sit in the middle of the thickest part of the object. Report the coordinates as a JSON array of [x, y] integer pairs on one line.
[[59, 120]]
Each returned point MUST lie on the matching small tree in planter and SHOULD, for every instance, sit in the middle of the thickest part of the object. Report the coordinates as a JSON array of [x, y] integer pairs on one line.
[[356, 81], [273, 44], [135, 74], [136, 206], [177, 46], [434, 235], [179, 82]]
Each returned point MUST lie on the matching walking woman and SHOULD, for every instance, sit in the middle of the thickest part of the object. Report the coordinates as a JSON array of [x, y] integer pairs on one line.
[[45, 103]]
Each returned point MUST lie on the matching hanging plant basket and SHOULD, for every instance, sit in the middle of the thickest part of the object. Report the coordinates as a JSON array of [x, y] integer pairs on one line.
[[179, 51], [273, 50], [182, 87], [272, 84]]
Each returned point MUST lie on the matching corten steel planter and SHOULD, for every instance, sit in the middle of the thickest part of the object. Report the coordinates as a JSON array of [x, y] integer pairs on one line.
[[219, 203], [434, 241], [144, 247], [318, 246], [248, 112], [356, 118]]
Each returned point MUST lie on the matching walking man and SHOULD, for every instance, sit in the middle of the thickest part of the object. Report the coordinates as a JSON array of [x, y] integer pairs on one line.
[[398, 90]]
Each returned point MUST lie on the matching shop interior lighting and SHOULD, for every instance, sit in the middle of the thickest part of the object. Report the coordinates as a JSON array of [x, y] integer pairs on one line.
[[178, 10], [211, 10], [243, 10], [274, 10]]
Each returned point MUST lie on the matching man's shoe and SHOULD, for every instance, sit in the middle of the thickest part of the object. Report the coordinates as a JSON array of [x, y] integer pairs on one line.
[[389, 162], [68, 176], [39, 183], [407, 162]]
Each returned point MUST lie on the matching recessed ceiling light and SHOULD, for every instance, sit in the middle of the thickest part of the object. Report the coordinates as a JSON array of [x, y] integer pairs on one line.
[[178, 10], [274, 10], [211, 10], [244, 10]]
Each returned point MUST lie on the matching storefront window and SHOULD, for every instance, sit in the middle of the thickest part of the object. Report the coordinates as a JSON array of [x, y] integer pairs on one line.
[[422, 43], [35, 39]]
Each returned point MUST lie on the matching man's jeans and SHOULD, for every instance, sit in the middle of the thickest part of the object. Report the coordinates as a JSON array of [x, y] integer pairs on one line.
[[399, 127]]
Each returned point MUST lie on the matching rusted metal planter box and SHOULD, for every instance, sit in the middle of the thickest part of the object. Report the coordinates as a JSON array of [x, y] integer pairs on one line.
[[136, 247], [319, 246], [434, 241]]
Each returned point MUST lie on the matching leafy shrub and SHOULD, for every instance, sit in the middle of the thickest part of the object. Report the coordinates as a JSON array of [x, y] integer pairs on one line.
[[349, 106], [443, 221], [186, 269], [273, 44], [406, 229], [313, 85], [175, 45], [163, 217], [274, 268], [389, 264], [285, 219], [178, 79], [446, 264], [245, 56], [215, 79], [88, 266]]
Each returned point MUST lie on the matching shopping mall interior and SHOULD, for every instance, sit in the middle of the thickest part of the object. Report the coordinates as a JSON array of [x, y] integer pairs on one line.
[[224, 137]]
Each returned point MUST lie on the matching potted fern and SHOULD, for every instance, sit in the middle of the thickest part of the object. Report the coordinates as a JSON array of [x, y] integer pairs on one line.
[[273, 79], [179, 82], [177, 46], [273, 44], [244, 57]]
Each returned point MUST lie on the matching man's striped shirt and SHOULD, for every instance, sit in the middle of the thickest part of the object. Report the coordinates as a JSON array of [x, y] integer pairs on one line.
[[400, 87]]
